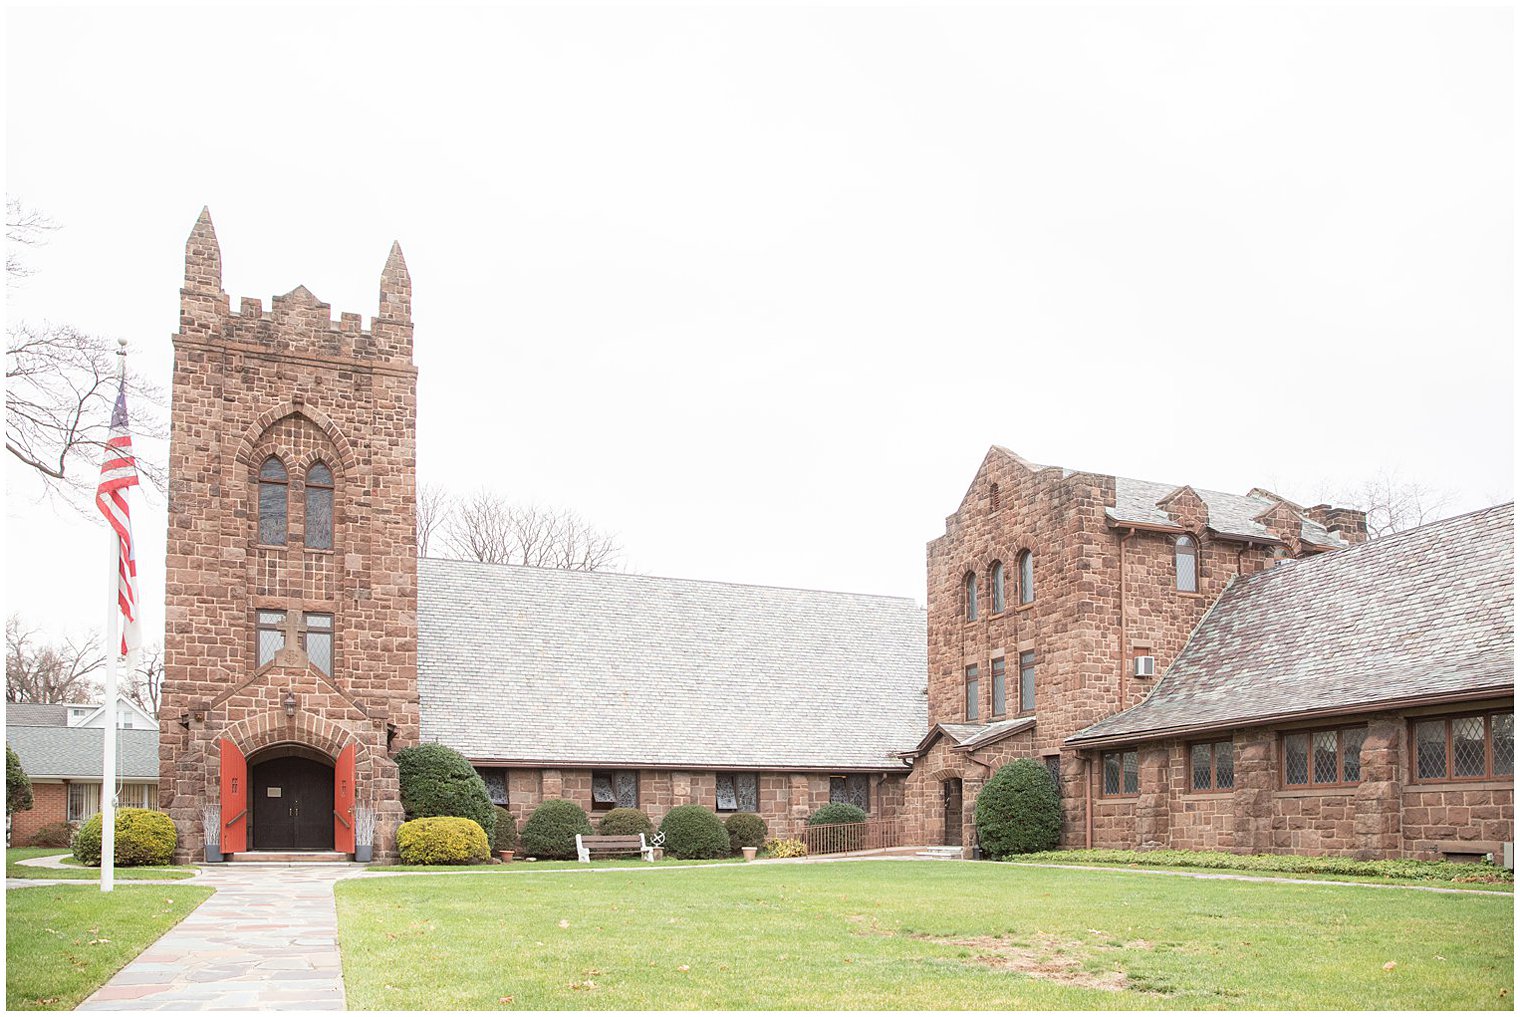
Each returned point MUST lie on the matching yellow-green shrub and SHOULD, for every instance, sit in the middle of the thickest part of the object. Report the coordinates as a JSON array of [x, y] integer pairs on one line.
[[442, 840], [789, 848], [143, 837]]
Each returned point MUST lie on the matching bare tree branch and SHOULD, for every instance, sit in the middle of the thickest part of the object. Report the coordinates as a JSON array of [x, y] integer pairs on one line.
[[24, 227], [433, 508], [147, 680], [485, 527], [1393, 503], [49, 672]]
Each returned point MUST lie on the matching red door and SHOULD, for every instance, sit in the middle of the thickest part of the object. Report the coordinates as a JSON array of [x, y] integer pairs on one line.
[[234, 799], [343, 801]]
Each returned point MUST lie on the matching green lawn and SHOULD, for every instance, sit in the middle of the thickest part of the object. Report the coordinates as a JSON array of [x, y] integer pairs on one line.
[[915, 935], [63, 942], [76, 870], [556, 865]]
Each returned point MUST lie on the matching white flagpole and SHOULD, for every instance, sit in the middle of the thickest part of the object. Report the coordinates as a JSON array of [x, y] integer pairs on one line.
[[113, 648]]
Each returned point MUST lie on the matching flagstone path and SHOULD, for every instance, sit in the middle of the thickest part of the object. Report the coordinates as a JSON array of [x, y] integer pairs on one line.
[[266, 940]]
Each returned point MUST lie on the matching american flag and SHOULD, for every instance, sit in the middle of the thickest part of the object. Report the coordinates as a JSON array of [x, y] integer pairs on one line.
[[118, 471]]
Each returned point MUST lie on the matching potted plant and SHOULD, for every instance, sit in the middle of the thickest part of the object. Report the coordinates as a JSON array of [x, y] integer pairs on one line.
[[211, 826], [749, 852], [364, 833]]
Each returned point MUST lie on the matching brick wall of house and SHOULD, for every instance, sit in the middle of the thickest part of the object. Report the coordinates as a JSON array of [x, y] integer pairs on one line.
[[288, 381], [50, 804]]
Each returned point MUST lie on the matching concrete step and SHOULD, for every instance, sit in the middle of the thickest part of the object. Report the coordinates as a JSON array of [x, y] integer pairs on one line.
[[947, 852], [290, 858]]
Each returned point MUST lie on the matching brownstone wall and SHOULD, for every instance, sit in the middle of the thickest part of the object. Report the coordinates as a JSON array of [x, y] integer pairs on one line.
[[50, 804], [293, 382]]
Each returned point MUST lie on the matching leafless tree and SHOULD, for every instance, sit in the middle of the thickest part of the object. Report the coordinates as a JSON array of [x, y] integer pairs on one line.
[[146, 682], [48, 672], [485, 527], [1393, 503], [433, 507], [61, 388]]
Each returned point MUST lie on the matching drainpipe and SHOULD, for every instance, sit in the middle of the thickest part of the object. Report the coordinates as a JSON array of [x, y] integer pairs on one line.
[[1087, 780]]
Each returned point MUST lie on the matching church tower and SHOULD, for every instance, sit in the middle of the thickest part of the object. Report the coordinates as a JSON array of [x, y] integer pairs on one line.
[[290, 648]]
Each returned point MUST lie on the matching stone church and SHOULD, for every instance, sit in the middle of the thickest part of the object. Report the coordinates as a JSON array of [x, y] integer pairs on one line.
[[1113, 628]]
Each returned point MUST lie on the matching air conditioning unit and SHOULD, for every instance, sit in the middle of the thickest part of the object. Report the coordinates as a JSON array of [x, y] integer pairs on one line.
[[1145, 667]]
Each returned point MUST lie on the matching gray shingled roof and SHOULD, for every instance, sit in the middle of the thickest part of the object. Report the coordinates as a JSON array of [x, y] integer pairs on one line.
[[549, 666], [1426, 612], [974, 735], [78, 751], [1136, 502], [37, 714]]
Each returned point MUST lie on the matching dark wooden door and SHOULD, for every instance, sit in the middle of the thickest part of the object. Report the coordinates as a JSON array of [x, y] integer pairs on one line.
[[953, 812], [292, 805]]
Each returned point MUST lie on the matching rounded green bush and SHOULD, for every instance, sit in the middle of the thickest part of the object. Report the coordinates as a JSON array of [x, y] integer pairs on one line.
[[505, 838], [18, 786], [1018, 811], [442, 840], [837, 812], [745, 829], [143, 837], [694, 831], [550, 831], [54, 835], [625, 823], [437, 781]]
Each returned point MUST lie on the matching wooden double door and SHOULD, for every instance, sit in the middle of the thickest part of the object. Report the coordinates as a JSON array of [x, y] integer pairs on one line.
[[292, 805], [954, 802]]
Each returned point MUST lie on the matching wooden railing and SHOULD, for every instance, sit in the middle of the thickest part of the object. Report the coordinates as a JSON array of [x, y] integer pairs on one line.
[[837, 838]]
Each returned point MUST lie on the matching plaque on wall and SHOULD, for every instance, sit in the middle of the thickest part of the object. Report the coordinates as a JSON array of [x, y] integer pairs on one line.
[[272, 792]]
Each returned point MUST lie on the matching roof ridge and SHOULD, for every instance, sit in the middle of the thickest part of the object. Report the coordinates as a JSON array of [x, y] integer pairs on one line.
[[672, 579]]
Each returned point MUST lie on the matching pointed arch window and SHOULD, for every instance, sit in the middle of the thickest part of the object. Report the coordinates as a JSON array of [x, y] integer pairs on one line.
[[274, 506], [970, 586], [1187, 564], [999, 588], [1026, 578], [319, 507]]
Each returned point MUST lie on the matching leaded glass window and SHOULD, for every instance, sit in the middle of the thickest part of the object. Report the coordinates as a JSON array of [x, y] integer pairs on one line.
[[319, 507], [1468, 751], [603, 796], [728, 801], [1504, 744], [270, 635], [1121, 773], [1465, 748], [999, 588], [999, 687], [1203, 768], [627, 782], [1187, 564], [1026, 682], [1296, 759], [1351, 754], [1323, 757], [317, 639], [970, 585], [496, 785], [1213, 766], [1026, 578], [1224, 766], [1430, 749], [1326, 758], [738, 792], [852, 789], [1053, 767], [973, 691], [273, 504]]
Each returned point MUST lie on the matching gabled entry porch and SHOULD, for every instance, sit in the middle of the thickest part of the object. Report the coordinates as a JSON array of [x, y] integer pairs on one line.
[[289, 799]]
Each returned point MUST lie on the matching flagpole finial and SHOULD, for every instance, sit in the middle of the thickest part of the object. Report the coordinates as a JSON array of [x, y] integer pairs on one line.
[[121, 358]]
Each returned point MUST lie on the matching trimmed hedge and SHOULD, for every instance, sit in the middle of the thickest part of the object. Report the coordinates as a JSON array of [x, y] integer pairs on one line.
[[437, 781], [625, 823], [694, 831], [442, 840], [1327, 865], [505, 838], [550, 831], [143, 837], [789, 848], [57, 835], [745, 829], [1018, 811], [837, 812], [18, 786]]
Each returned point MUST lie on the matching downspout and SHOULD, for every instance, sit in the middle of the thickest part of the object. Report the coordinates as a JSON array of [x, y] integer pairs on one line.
[[1087, 780]]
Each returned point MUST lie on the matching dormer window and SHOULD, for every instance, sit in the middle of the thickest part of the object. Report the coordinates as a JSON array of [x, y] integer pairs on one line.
[[1026, 578], [1186, 556], [274, 509], [970, 587], [319, 507], [999, 588]]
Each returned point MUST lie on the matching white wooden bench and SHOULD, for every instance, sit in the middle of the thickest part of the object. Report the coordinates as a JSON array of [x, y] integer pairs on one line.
[[584, 846]]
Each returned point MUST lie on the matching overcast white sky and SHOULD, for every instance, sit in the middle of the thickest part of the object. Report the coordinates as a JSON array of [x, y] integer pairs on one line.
[[757, 288]]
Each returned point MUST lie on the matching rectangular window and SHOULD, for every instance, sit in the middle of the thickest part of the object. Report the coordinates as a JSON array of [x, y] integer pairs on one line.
[[1213, 766], [84, 802], [1026, 682], [1476, 747], [614, 789], [317, 640], [496, 785], [1121, 772], [1053, 767], [138, 796], [999, 687], [738, 792], [853, 789], [1323, 758], [271, 635], [973, 691]]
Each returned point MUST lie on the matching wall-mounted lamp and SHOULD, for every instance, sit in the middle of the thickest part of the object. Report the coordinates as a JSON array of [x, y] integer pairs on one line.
[[290, 704]]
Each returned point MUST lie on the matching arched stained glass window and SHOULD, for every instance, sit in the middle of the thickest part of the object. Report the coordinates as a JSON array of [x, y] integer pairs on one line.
[[1187, 564], [1026, 578], [999, 588], [970, 586], [274, 507], [319, 507]]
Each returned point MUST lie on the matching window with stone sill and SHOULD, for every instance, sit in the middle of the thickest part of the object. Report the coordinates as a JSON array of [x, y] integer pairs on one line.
[[1026, 578], [969, 586], [317, 640], [999, 588], [1121, 773], [318, 523], [269, 635], [999, 687], [738, 792], [1186, 558], [973, 692], [274, 503], [614, 789], [1026, 682], [1473, 747], [852, 789], [1213, 766], [1331, 758]]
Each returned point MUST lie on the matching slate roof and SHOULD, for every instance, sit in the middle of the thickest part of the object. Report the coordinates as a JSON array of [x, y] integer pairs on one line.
[[77, 751], [1424, 613], [38, 714], [972, 736], [546, 666], [1136, 502]]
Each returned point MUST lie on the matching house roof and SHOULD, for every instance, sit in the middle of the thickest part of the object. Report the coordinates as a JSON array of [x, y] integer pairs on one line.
[[78, 751], [546, 666], [972, 736], [1136, 501], [1422, 614], [39, 714]]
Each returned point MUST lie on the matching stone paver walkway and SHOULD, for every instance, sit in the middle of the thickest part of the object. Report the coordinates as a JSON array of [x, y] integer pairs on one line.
[[266, 940]]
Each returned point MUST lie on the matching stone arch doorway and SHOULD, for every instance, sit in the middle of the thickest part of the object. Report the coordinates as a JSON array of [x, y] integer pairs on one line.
[[954, 796], [291, 790]]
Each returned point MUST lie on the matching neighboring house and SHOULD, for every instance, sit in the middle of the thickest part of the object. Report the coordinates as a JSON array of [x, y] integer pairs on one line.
[[64, 760], [1059, 598]]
